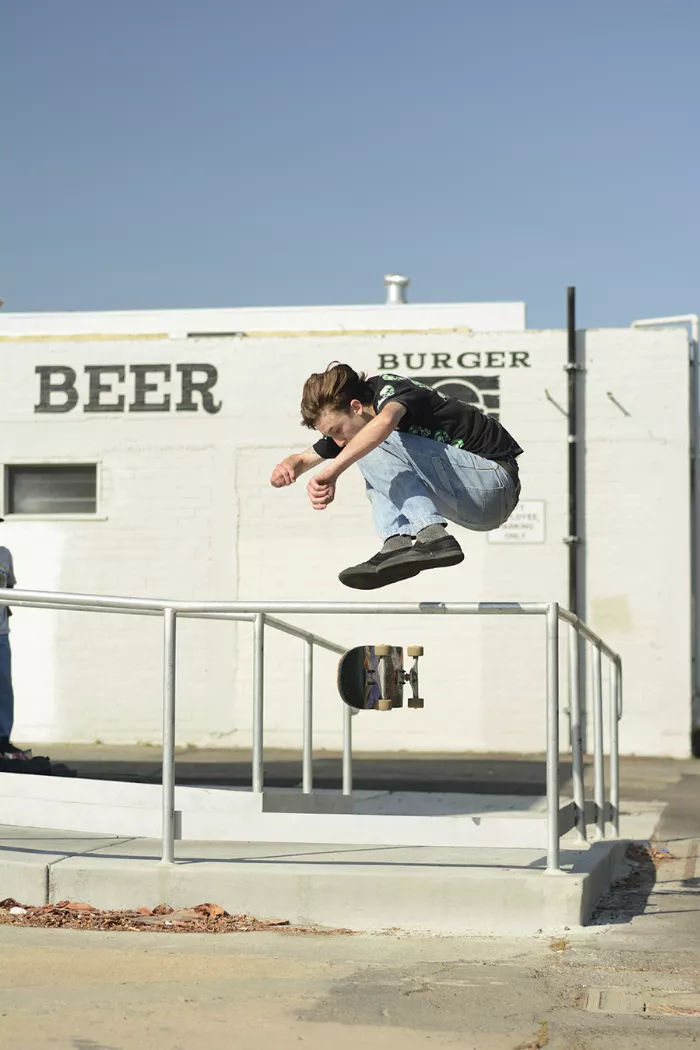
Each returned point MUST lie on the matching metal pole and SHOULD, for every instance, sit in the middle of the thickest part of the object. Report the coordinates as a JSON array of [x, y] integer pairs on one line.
[[308, 730], [694, 533], [576, 734], [168, 777], [614, 750], [573, 538], [576, 524], [599, 770], [250, 609], [347, 750], [552, 622], [258, 693]]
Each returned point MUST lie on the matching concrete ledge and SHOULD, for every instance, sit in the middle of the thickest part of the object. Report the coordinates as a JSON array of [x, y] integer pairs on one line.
[[427, 889], [121, 808], [27, 856], [229, 814]]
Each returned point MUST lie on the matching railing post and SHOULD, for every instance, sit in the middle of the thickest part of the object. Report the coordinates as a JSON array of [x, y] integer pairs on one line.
[[168, 775], [308, 731], [552, 625], [576, 734], [598, 756], [614, 749], [258, 694], [347, 750]]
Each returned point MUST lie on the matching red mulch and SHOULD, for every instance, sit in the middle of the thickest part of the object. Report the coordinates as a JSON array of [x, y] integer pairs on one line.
[[203, 918], [642, 851]]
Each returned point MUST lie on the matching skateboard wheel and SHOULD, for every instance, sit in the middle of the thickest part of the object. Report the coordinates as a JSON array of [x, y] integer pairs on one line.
[[384, 705], [415, 650], [415, 701], [382, 650]]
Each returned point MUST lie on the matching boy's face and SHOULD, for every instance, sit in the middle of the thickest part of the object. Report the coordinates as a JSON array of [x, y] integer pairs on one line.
[[342, 426]]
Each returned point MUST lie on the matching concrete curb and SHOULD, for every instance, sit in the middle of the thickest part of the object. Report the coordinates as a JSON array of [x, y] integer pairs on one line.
[[365, 888]]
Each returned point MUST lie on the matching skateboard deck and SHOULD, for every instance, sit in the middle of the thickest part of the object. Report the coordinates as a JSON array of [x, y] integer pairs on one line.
[[372, 678]]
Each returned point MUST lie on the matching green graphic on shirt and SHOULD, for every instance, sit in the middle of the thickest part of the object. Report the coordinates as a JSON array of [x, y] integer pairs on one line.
[[384, 393], [395, 378], [441, 435], [420, 431], [458, 443]]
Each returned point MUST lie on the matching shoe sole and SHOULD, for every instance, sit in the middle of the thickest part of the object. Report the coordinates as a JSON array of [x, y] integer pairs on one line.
[[438, 561], [365, 581], [393, 574]]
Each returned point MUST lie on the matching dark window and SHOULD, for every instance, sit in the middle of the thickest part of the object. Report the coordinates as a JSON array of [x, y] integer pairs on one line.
[[51, 489]]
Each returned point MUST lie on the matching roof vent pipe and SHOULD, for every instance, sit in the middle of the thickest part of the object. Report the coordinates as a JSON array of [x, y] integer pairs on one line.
[[396, 285]]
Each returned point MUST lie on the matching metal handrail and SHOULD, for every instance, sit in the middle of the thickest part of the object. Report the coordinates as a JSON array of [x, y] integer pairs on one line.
[[92, 602], [260, 614], [192, 610], [587, 633]]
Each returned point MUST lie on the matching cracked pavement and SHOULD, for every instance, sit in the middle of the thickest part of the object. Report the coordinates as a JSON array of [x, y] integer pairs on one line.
[[631, 978]]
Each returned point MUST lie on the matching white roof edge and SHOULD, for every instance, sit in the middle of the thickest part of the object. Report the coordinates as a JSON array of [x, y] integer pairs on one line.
[[494, 316]]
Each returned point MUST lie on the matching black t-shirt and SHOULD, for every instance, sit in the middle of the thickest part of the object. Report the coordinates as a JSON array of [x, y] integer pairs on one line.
[[430, 414]]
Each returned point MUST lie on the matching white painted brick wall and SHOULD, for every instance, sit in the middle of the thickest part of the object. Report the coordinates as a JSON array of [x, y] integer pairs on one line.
[[186, 510], [639, 517]]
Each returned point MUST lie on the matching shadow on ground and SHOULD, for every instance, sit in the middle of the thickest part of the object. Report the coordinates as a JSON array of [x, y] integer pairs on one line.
[[629, 896], [480, 775]]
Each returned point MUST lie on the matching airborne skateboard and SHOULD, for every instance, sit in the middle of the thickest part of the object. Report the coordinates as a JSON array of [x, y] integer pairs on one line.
[[371, 677]]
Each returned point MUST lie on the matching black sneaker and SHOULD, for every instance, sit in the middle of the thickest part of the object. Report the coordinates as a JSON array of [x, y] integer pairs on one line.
[[12, 752], [435, 554], [385, 567]]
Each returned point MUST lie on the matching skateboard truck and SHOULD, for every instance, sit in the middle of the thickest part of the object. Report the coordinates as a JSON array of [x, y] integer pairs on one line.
[[383, 653], [414, 651]]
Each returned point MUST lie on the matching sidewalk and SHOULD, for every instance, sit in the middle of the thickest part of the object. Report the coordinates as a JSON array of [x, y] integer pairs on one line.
[[630, 979]]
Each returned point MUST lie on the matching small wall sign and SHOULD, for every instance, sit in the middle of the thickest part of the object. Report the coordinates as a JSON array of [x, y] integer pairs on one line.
[[525, 525]]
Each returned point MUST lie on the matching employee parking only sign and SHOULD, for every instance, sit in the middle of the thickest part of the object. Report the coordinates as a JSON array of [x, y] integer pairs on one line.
[[525, 525]]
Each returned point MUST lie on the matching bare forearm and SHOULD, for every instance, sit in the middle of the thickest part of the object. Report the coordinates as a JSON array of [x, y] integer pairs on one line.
[[306, 460], [287, 472]]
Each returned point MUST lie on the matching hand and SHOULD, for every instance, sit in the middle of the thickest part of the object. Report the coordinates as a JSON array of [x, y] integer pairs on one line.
[[283, 474], [321, 491]]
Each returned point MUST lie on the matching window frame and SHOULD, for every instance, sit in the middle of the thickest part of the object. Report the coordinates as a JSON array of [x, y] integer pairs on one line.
[[9, 465]]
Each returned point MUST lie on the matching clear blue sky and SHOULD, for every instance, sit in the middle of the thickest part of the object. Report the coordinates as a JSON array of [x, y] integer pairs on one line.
[[171, 153]]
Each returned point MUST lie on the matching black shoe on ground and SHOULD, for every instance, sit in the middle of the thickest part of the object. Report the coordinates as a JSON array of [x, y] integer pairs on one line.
[[10, 751], [385, 567]]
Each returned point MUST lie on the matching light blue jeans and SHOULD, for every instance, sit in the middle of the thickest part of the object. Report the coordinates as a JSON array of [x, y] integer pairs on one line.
[[7, 700], [413, 482]]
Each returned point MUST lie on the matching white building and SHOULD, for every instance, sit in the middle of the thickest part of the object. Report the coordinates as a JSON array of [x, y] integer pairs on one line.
[[137, 449]]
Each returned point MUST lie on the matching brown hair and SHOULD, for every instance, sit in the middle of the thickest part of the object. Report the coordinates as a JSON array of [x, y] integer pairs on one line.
[[335, 388]]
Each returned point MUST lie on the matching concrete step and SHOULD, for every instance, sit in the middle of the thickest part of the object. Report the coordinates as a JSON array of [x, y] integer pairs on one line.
[[227, 814], [434, 890], [122, 808], [236, 815]]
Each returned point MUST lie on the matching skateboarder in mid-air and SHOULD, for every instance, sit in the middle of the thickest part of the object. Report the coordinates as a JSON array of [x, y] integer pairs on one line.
[[425, 458]]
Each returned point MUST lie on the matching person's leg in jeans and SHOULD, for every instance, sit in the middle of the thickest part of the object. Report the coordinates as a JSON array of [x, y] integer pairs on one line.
[[414, 484], [389, 520], [426, 482], [6, 694]]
